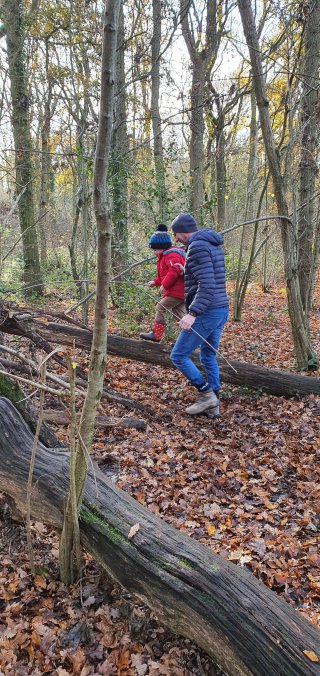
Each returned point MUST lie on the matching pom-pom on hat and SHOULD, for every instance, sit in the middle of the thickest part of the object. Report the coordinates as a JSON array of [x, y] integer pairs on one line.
[[161, 238], [184, 223]]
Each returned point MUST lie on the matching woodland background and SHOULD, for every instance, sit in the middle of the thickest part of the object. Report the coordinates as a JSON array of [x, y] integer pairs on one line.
[[217, 112]]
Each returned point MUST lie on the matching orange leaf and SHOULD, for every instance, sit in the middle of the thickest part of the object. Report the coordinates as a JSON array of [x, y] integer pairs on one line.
[[311, 656]]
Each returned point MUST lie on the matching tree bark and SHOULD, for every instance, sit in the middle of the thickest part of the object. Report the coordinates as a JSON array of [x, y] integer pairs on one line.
[[12, 11], [304, 353], [242, 625], [308, 169]]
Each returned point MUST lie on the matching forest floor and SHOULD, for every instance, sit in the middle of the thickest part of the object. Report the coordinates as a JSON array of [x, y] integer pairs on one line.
[[246, 485]]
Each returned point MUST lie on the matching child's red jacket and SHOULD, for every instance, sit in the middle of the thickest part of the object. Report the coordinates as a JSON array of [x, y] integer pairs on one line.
[[169, 273]]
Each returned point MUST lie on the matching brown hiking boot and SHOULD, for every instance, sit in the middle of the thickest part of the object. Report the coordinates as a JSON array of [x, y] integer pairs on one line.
[[205, 401]]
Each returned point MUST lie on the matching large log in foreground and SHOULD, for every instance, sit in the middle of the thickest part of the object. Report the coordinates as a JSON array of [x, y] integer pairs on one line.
[[240, 623], [273, 381]]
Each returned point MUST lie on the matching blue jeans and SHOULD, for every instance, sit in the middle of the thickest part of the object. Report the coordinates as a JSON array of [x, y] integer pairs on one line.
[[209, 325]]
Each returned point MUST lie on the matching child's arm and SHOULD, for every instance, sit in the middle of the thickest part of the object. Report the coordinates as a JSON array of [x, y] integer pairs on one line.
[[173, 273]]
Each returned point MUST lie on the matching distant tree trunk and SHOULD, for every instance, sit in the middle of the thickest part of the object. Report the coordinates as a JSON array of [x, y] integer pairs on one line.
[[308, 169], [253, 157], [120, 161], [155, 112], [242, 284], [104, 232], [197, 128], [303, 350], [202, 62], [12, 11], [221, 173], [46, 169]]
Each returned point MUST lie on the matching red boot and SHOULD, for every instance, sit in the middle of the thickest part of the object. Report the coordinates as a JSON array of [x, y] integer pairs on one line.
[[156, 334]]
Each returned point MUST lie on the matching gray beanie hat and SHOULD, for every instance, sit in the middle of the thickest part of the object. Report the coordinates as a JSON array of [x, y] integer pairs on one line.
[[184, 223]]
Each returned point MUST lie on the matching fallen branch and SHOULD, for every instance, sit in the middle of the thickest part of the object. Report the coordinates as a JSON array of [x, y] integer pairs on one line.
[[62, 418]]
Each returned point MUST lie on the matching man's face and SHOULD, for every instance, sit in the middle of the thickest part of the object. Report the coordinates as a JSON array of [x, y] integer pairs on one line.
[[182, 237]]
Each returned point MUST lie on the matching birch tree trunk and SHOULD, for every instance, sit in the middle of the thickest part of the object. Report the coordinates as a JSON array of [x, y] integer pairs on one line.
[[12, 14], [302, 346], [308, 168], [104, 234]]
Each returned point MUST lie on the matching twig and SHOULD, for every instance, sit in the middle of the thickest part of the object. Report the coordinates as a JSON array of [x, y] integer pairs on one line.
[[31, 468], [73, 457], [89, 295], [58, 393]]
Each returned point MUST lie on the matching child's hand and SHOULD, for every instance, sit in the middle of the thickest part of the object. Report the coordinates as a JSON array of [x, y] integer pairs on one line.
[[162, 290], [181, 267], [151, 283]]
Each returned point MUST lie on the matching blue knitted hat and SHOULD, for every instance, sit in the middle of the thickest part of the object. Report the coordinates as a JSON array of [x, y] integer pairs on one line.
[[161, 238], [184, 223]]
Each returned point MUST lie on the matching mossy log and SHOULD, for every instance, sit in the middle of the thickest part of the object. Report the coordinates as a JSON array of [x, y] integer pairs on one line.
[[244, 627], [13, 391]]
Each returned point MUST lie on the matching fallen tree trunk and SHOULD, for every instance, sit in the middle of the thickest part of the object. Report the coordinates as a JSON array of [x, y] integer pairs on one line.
[[13, 391], [273, 381], [240, 623]]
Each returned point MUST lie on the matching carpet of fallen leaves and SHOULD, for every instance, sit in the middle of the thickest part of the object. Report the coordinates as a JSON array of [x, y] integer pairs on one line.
[[246, 485]]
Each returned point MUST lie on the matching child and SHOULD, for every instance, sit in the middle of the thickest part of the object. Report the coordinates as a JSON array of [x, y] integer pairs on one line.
[[170, 262]]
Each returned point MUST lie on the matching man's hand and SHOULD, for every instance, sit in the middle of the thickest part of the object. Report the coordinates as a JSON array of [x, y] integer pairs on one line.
[[162, 290], [151, 283], [186, 322]]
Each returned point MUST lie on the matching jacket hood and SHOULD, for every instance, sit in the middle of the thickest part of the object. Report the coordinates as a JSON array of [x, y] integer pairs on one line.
[[208, 235]]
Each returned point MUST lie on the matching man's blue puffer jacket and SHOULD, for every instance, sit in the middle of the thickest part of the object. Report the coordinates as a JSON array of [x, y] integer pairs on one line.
[[205, 272]]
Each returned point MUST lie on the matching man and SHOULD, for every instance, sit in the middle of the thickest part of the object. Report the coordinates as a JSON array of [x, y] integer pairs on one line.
[[207, 310]]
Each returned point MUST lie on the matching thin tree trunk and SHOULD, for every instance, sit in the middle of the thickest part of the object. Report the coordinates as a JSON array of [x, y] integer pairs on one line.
[[120, 159], [104, 231], [20, 107], [221, 174], [202, 62], [302, 346], [155, 112], [46, 169], [308, 168]]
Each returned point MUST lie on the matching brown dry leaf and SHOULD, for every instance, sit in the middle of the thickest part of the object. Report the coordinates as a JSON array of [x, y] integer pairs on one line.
[[133, 530], [139, 664], [311, 656], [123, 661], [77, 660], [40, 581]]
